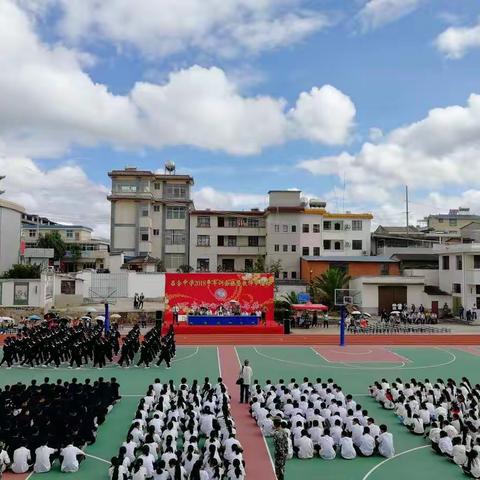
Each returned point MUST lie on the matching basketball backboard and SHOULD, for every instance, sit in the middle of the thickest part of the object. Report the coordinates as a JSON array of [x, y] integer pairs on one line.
[[345, 297]]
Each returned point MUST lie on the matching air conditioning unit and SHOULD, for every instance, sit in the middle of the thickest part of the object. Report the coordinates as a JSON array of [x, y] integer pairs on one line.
[[347, 244]]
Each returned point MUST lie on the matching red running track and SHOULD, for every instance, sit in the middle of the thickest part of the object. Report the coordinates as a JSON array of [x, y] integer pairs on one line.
[[257, 458]]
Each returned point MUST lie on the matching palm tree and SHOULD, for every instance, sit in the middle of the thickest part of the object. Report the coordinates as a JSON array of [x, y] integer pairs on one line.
[[291, 298], [325, 285]]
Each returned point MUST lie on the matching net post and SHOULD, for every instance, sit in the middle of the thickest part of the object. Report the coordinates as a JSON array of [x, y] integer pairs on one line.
[[342, 326]]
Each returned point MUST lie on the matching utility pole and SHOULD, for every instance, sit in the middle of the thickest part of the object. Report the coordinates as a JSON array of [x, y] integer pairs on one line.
[[406, 204]]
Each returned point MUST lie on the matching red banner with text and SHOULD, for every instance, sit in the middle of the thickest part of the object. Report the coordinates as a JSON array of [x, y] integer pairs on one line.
[[244, 292]]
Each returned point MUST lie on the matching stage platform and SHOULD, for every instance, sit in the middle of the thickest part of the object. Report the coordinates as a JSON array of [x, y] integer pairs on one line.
[[220, 320], [213, 330]]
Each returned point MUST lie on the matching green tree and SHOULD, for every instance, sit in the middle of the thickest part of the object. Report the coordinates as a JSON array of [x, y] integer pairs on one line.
[[23, 271], [55, 241], [325, 285], [291, 298]]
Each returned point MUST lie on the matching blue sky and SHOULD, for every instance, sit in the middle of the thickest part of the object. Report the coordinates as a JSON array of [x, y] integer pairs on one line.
[[389, 63]]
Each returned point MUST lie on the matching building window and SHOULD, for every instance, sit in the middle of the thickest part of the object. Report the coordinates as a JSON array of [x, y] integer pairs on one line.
[[477, 289], [316, 228], [459, 262], [156, 208], [305, 228], [220, 221], [145, 212], [176, 191], [203, 264], [337, 226], [284, 275], [157, 186], [253, 241], [156, 232], [276, 228], [476, 261], [220, 241], [231, 222], [452, 222], [144, 237], [175, 237], [231, 241], [316, 251], [253, 222], [337, 245], [276, 247], [357, 225], [174, 260], [456, 288], [248, 264], [294, 275], [175, 213], [327, 225], [440, 220], [203, 222], [294, 248], [69, 233], [356, 244], [203, 240], [285, 228], [67, 287], [294, 228], [32, 233], [126, 188], [285, 248], [446, 262], [384, 269], [305, 251], [327, 244]]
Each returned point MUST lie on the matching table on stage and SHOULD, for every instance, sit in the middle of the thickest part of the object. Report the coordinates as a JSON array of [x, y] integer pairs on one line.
[[222, 320]]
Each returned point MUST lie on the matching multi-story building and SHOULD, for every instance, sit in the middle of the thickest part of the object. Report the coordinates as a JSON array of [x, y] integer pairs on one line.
[[10, 222], [288, 229], [296, 228], [450, 223], [88, 252], [459, 273], [150, 214], [226, 241]]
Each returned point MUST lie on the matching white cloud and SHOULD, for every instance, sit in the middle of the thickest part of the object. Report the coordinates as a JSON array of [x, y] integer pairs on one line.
[[50, 103], [377, 13], [438, 151], [324, 115], [375, 134], [58, 193], [209, 197], [164, 27], [455, 42]]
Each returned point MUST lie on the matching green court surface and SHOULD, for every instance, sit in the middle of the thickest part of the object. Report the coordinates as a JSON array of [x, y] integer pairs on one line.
[[414, 458]]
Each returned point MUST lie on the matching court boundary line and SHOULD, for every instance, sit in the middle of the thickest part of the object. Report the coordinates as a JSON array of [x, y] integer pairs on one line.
[[88, 455], [392, 458], [348, 366]]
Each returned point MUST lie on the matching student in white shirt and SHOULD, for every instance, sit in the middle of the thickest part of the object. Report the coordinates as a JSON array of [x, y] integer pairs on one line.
[[385, 443], [236, 471], [117, 471], [148, 460], [138, 471], [198, 473], [327, 450], [459, 452], [347, 450], [21, 459], [71, 457], [367, 443], [246, 374], [444, 445], [305, 446], [43, 462]]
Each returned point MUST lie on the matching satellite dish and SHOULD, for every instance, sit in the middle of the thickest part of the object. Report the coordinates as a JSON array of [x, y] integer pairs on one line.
[[170, 166]]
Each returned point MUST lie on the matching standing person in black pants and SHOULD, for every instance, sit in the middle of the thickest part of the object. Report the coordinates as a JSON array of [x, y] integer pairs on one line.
[[245, 376], [164, 353]]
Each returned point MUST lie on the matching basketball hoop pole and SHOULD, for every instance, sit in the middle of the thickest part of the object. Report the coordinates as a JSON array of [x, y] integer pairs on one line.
[[107, 318], [342, 326]]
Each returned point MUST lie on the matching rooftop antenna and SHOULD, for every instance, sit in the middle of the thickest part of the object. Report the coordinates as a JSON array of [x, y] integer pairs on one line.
[[170, 167]]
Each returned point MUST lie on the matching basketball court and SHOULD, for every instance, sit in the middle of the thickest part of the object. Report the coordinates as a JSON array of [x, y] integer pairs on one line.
[[354, 368]]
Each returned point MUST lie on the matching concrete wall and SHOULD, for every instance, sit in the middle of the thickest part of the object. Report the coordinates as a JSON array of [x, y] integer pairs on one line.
[[151, 284], [35, 290], [10, 228], [281, 290]]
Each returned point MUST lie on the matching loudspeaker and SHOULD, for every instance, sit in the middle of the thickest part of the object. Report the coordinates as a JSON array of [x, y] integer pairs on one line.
[[158, 315], [286, 325]]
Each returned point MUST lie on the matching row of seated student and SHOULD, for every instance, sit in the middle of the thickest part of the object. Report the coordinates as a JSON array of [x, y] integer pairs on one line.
[[42, 422], [181, 432]]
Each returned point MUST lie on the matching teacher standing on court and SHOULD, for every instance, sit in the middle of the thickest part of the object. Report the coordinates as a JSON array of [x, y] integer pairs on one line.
[[245, 377]]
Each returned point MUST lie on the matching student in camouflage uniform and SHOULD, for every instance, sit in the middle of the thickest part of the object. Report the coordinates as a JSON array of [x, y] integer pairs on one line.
[[280, 442]]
